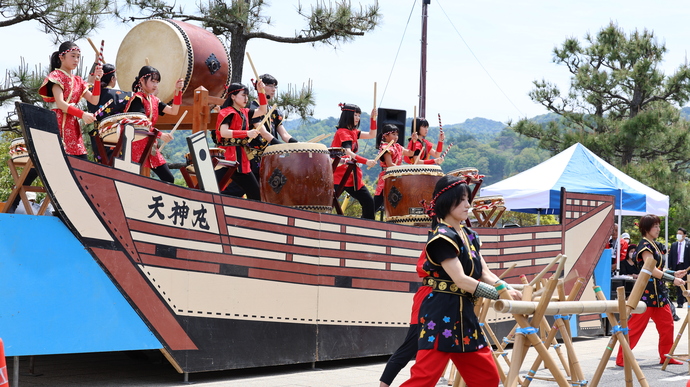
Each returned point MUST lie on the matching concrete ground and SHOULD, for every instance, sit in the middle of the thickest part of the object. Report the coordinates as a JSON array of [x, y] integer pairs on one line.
[[151, 369]]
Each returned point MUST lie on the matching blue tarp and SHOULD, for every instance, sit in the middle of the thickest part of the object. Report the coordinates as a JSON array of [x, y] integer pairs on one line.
[[55, 297]]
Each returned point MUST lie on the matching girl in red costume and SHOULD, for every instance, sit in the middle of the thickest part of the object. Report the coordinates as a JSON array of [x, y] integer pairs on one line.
[[145, 101], [655, 294], [393, 156], [65, 91], [419, 143], [458, 275], [234, 133], [346, 137]]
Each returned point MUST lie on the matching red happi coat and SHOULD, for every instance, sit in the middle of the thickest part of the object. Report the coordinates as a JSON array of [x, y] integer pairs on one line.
[[424, 145], [152, 106], [344, 135], [73, 88], [238, 123]]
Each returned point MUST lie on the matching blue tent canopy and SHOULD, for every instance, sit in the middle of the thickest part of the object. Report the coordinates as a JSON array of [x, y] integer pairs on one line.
[[576, 169]]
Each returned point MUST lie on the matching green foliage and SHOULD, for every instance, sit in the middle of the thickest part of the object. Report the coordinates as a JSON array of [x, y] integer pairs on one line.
[[622, 107], [63, 20]]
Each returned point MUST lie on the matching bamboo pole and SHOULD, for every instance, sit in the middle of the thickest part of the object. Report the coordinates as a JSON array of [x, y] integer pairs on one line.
[[563, 307], [534, 340], [623, 314], [627, 352]]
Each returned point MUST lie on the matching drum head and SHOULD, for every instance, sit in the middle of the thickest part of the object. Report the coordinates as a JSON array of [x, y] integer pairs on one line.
[[164, 46]]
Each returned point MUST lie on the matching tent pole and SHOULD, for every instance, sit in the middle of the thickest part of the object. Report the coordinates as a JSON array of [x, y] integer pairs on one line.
[[618, 240], [538, 216], [666, 239]]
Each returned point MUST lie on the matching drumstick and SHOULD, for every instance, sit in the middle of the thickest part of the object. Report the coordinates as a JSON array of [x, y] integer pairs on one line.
[[267, 115], [100, 54], [382, 152], [445, 152], [94, 47], [440, 126], [253, 68], [374, 95], [174, 128], [414, 129], [100, 110], [320, 137]]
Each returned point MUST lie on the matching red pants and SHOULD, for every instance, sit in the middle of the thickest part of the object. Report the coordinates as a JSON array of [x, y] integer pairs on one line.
[[476, 368], [664, 325]]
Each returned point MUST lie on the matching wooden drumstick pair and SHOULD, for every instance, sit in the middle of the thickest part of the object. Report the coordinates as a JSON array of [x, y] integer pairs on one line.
[[390, 144]]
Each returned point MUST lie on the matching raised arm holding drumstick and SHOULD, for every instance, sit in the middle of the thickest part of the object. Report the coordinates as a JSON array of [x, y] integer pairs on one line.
[[347, 137], [144, 100], [391, 155]]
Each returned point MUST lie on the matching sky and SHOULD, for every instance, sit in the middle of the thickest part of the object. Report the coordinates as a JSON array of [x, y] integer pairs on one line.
[[482, 55]]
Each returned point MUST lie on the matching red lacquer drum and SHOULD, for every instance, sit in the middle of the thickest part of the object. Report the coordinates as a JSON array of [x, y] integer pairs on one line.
[[404, 187], [18, 151], [297, 175], [178, 50], [110, 127]]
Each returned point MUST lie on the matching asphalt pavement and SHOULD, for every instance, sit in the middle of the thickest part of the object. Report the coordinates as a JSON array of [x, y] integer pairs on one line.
[[149, 368]]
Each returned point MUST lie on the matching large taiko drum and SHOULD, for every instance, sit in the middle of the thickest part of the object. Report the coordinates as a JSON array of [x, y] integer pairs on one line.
[[18, 152], [403, 189], [178, 50], [297, 175], [110, 127]]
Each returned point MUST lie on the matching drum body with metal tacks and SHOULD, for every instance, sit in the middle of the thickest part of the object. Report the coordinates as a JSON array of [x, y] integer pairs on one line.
[[178, 50], [404, 187], [110, 127], [18, 151], [297, 175]]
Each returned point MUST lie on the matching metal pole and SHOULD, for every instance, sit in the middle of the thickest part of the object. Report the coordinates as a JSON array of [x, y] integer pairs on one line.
[[15, 372], [422, 75], [620, 224]]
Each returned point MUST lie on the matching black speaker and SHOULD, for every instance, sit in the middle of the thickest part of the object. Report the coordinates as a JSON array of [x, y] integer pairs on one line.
[[391, 116]]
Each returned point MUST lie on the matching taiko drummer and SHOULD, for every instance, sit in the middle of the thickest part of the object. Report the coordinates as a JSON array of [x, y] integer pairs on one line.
[[65, 90], [112, 100], [393, 156], [419, 143], [346, 137], [233, 133], [145, 101]]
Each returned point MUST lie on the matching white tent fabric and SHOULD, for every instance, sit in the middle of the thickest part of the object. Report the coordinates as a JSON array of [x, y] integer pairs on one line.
[[576, 169]]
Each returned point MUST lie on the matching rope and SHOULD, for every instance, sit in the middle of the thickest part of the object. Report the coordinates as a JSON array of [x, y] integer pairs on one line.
[[397, 53], [478, 61]]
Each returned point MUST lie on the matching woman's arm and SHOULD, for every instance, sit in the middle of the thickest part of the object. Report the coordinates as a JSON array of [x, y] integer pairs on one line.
[[175, 108], [70, 109], [372, 132], [388, 160]]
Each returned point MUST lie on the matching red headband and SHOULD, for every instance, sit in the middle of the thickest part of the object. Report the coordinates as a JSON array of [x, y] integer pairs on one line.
[[431, 208], [344, 107], [75, 48]]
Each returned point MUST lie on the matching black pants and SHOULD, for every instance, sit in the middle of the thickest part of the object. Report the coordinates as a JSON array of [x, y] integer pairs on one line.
[[163, 173], [402, 355], [680, 299], [364, 198], [246, 182]]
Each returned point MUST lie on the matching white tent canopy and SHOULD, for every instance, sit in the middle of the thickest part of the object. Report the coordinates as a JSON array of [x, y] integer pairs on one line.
[[577, 169]]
